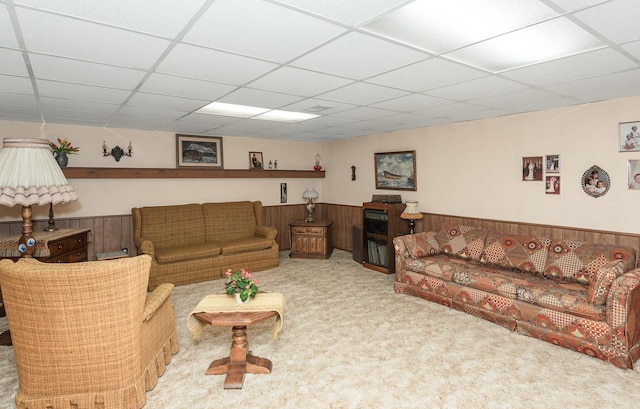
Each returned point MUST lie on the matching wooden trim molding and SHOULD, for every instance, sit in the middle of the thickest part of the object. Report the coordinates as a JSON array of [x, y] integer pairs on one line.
[[166, 173]]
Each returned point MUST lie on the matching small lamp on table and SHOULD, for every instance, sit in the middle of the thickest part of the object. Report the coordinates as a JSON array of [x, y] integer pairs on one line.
[[412, 214], [310, 195]]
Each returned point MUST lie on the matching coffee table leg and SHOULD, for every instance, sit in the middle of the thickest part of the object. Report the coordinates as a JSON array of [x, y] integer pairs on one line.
[[239, 361]]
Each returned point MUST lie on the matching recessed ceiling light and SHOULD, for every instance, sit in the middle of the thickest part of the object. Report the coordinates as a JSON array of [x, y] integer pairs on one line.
[[284, 116], [221, 108]]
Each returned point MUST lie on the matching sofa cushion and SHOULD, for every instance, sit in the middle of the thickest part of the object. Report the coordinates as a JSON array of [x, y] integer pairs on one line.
[[602, 280], [439, 266], [168, 226], [516, 251], [421, 244], [462, 241], [579, 261], [243, 245], [186, 252], [229, 220]]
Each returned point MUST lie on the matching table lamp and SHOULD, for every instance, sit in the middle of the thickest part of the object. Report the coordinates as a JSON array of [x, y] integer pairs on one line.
[[412, 214], [29, 175], [310, 195]]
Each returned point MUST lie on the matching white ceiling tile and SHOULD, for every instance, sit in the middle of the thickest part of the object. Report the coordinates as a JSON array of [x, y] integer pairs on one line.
[[584, 65], [358, 56], [98, 43], [7, 35], [221, 24], [202, 63], [521, 101], [459, 108], [362, 94], [62, 69], [137, 122], [170, 103], [145, 112], [425, 75], [298, 82], [426, 24], [477, 88], [530, 45], [77, 105], [364, 113], [12, 63], [615, 20], [18, 100], [209, 120], [56, 115], [413, 102], [352, 12], [600, 88], [20, 85], [573, 5], [633, 49], [81, 92], [258, 98], [185, 87], [307, 105], [160, 17]]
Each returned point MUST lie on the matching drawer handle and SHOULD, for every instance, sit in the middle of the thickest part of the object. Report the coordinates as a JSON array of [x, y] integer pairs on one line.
[[59, 246]]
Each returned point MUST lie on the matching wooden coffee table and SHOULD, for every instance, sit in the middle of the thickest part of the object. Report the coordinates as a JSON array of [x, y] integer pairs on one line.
[[240, 359]]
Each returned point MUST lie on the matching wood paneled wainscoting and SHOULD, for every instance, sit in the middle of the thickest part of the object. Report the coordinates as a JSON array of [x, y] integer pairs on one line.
[[113, 233]]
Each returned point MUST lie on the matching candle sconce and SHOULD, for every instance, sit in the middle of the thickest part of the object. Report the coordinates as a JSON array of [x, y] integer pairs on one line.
[[117, 152]]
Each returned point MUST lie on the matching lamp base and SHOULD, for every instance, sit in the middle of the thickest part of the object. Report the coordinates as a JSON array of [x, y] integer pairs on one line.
[[52, 222]]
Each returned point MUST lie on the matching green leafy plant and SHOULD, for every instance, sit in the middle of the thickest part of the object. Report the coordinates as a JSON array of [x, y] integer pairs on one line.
[[64, 146], [240, 281]]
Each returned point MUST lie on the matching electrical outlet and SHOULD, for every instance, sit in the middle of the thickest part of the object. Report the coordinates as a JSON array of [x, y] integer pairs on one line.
[[125, 250]]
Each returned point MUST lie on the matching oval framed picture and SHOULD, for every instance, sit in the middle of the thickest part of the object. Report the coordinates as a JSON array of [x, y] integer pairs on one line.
[[595, 181]]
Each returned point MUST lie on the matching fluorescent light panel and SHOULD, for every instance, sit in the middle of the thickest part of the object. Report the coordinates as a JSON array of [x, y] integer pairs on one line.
[[246, 111], [512, 32]]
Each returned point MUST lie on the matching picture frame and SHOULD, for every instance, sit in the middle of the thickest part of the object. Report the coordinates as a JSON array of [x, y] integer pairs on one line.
[[196, 151], [255, 160], [552, 163], [595, 181], [395, 170], [532, 168], [633, 174], [552, 185], [283, 193], [629, 136]]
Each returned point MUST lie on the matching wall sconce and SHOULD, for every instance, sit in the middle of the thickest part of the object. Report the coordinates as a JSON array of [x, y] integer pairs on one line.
[[117, 152]]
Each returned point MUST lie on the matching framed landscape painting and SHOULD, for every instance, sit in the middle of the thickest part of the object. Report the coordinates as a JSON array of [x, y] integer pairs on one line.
[[396, 170], [199, 151]]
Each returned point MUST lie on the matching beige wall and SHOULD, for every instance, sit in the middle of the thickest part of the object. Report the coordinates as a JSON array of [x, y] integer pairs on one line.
[[471, 168], [474, 168]]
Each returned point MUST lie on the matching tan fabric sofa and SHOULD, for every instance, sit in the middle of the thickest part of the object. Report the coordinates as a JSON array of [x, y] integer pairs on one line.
[[579, 295], [198, 242], [87, 335]]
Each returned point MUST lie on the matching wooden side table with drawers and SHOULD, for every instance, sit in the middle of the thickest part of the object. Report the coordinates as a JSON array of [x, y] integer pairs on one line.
[[311, 239]]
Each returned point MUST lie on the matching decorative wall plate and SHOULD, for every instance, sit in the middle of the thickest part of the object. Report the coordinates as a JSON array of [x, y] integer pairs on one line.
[[595, 181]]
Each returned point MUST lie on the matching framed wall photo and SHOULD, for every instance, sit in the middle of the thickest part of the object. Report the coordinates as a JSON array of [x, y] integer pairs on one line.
[[552, 163], [396, 170], [199, 151], [629, 136], [633, 174], [532, 168], [595, 181], [552, 185], [255, 160]]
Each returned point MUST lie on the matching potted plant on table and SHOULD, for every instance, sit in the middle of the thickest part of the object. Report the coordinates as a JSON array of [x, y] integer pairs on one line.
[[62, 150], [240, 284]]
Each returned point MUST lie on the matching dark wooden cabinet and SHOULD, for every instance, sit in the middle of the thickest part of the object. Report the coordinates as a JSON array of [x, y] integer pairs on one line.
[[68, 249], [380, 224], [311, 239]]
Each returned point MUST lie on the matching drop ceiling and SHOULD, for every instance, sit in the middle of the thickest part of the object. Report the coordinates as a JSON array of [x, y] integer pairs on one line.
[[364, 66]]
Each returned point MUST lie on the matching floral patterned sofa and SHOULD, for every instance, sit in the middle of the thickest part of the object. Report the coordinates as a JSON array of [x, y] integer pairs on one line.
[[582, 296]]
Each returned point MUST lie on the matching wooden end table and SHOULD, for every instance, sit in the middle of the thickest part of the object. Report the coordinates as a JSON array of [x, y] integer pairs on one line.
[[240, 359]]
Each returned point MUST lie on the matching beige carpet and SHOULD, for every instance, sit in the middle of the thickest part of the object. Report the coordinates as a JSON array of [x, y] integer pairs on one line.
[[349, 341]]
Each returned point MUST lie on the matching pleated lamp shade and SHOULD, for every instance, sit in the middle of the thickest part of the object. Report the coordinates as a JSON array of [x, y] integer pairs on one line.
[[29, 175]]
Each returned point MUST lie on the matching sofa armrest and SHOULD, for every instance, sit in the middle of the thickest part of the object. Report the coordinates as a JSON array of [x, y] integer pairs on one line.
[[155, 300], [145, 246], [266, 231], [623, 309]]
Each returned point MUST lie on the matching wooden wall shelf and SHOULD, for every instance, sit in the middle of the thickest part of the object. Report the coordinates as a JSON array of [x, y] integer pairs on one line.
[[160, 173]]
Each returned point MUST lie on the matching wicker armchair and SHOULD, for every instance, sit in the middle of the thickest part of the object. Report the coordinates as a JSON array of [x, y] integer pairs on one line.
[[86, 335]]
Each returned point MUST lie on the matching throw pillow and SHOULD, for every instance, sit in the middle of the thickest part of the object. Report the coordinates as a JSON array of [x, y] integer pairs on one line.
[[421, 244], [602, 280], [462, 241]]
